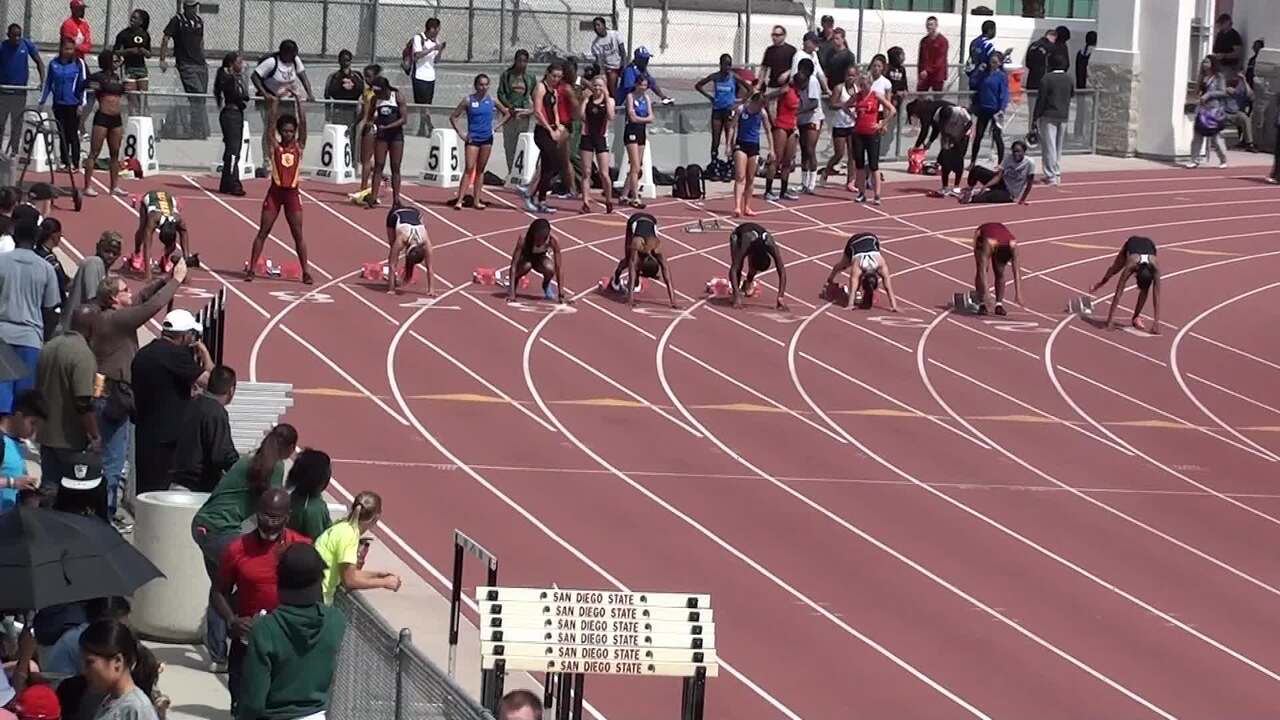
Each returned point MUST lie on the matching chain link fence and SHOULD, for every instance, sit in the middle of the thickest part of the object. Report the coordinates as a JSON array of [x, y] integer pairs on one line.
[[382, 675]]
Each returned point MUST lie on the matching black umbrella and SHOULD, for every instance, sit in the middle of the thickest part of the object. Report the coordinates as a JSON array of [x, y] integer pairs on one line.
[[52, 558], [11, 366]]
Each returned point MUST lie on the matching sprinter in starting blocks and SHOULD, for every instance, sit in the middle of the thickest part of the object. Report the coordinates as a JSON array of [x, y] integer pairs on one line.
[[158, 214], [1136, 258], [642, 258], [867, 269], [754, 247], [407, 235], [537, 249]]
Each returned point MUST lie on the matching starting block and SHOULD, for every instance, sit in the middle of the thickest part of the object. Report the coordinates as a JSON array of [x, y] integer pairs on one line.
[[964, 303], [266, 268], [605, 285], [290, 271], [720, 287], [703, 226], [496, 276], [1082, 306], [838, 294], [375, 271]]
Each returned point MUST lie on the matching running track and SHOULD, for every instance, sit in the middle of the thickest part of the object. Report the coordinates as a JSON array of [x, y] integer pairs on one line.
[[907, 516]]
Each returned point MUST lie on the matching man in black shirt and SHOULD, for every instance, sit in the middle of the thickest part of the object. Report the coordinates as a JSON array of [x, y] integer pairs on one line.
[[164, 373], [204, 450], [344, 84], [1228, 46], [1037, 59], [775, 66], [186, 30]]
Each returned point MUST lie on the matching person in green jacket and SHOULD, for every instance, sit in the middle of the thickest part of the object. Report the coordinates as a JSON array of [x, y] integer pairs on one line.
[[222, 518], [293, 651], [515, 90], [308, 479]]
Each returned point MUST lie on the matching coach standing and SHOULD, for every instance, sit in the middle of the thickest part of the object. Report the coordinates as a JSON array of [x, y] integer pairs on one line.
[[186, 31], [14, 74]]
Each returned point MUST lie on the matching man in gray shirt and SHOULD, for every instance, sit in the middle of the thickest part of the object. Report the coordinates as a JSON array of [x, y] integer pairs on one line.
[[92, 270], [28, 298], [1053, 106]]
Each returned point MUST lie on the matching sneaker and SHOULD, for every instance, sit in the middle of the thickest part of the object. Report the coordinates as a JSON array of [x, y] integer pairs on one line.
[[120, 192], [90, 192], [530, 205], [790, 195], [1192, 165], [770, 197], [545, 209], [123, 525], [1222, 165], [808, 191], [218, 667], [862, 197], [876, 201], [1273, 181]]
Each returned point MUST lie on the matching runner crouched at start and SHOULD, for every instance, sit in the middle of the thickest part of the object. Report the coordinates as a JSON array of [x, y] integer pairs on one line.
[[994, 247], [867, 268], [642, 258], [538, 250], [752, 245], [1137, 258], [407, 234]]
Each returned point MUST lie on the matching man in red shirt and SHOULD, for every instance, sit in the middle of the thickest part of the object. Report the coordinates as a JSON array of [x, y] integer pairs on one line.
[[76, 29], [248, 567], [932, 60]]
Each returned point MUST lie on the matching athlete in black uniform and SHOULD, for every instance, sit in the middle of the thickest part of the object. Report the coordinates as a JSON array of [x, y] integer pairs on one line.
[[406, 233], [1138, 258], [642, 257], [537, 250], [867, 270], [750, 243]]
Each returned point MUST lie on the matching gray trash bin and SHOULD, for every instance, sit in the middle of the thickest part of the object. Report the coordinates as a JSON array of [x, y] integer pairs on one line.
[[171, 608]]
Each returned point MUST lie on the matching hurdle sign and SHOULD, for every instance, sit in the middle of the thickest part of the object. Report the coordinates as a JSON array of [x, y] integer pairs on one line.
[[444, 160], [600, 632], [336, 164], [38, 142], [647, 188], [140, 144], [526, 159], [246, 168]]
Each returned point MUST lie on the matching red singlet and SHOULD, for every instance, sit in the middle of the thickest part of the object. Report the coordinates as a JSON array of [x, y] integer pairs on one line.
[[286, 161], [866, 110], [996, 233], [788, 106]]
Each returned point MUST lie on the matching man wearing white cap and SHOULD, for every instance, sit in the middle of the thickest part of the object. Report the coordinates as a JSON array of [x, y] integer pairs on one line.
[[165, 372]]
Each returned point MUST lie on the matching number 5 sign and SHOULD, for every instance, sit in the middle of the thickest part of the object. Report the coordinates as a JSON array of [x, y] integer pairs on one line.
[[444, 160]]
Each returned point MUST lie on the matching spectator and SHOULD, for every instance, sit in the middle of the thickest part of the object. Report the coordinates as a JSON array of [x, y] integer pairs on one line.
[[991, 97], [838, 58], [65, 376], [515, 90], [1082, 59], [340, 546], [15, 73], [520, 705], [280, 75], [76, 29], [426, 51], [639, 68], [115, 343], [29, 413], [1053, 107], [931, 60], [248, 569], [48, 237], [28, 301], [1210, 115], [1037, 59], [37, 702], [776, 64], [346, 85], [1228, 46], [40, 196], [896, 71], [1250, 71], [83, 287], [308, 479], [9, 199], [980, 50], [1274, 177], [233, 501], [1239, 98], [65, 82], [609, 50], [231, 96], [65, 656], [186, 31], [113, 665], [567, 96], [164, 372], [293, 651], [1061, 48], [826, 32], [133, 45], [1011, 182], [204, 450], [818, 85]]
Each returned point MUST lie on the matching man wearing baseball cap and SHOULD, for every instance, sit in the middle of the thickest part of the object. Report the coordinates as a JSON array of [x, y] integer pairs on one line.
[[76, 29], [164, 374], [293, 651], [639, 68]]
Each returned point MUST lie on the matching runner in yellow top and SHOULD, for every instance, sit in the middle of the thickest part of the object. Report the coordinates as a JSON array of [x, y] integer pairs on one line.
[[158, 210], [364, 133]]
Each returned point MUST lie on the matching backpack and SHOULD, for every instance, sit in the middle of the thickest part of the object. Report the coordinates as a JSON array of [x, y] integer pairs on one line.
[[406, 56], [695, 185], [1209, 120], [915, 160], [678, 185]]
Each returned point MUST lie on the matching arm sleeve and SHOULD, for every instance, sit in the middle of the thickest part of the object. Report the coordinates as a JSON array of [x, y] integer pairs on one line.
[[222, 452], [256, 680], [171, 28], [226, 572], [136, 316], [52, 295]]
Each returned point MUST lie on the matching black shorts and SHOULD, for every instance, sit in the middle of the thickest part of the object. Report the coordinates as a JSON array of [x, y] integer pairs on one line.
[[535, 260], [952, 159], [749, 149], [721, 115], [480, 143], [634, 134], [844, 132], [866, 152], [1138, 245], [424, 91], [593, 144], [110, 122], [395, 135]]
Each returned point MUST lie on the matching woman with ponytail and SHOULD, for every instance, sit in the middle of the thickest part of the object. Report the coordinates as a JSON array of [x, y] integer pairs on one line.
[[341, 548], [114, 663], [232, 504]]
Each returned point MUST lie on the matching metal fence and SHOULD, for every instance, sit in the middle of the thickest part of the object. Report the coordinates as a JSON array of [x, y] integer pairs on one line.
[[382, 675]]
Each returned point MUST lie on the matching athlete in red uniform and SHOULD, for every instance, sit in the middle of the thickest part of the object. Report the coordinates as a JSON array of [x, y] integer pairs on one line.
[[286, 146], [994, 246]]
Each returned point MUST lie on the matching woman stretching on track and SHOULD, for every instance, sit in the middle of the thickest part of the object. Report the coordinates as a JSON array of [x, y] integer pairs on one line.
[[751, 244], [867, 270], [407, 234], [537, 250], [994, 247], [286, 145], [479, 108], [595, 110], [642, 258], [728, 90], [389, 115], [753, 124], [1137, 258], [108, 125]]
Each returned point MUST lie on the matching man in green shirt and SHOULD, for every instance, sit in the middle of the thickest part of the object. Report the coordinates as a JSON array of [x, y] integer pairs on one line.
[[65, 376], [515, 90]]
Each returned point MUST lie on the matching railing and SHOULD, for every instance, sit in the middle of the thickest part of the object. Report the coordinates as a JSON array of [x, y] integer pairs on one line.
[[382, 675]]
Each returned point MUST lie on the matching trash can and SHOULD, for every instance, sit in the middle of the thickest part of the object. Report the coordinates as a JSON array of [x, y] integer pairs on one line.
[[171, 608]]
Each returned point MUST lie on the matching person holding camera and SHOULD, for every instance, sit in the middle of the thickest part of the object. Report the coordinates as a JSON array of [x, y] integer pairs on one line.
[[165, 372]]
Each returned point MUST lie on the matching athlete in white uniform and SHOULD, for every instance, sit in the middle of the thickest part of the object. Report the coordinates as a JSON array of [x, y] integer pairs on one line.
[[406, 234], [867, 270]]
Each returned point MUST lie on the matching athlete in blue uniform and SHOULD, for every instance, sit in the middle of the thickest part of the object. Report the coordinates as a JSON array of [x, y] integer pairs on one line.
[[1137, 258], [479, 107], [727, 90], [753, 123], [407, 234]]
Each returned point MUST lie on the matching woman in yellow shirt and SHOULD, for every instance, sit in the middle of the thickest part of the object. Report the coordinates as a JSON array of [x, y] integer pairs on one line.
[[340, 548]]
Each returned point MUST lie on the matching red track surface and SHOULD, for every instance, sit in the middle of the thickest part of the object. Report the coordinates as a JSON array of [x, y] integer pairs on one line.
[[897, 516]]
